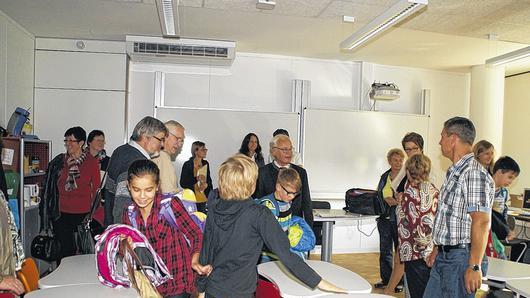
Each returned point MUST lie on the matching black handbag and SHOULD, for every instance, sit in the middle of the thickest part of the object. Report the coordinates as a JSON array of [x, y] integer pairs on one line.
[[83, 235], [362, 201], [46, 247]]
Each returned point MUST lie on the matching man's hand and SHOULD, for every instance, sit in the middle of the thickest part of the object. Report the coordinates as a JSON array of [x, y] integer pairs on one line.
[[472, 280], [10, 283], [432, 257]]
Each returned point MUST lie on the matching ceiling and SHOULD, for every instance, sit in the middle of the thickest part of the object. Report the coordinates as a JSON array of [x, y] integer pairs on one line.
[[447, 35]]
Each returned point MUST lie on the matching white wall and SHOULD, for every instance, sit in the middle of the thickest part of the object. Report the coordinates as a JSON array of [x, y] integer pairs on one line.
[[16, 68], [80, 83], [516, 142]]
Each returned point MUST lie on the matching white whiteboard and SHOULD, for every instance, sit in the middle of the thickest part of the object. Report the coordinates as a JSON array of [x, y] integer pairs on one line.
[[345, 149], [224, 130]]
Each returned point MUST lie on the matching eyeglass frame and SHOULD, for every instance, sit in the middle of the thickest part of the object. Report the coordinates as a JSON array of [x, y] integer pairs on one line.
[[284, 150], [179, 139], [294, 194], [161, 140]]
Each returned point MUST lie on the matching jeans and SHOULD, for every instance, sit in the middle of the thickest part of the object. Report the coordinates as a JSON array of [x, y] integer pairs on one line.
[[387, 242], [417, 273], [447, 274]]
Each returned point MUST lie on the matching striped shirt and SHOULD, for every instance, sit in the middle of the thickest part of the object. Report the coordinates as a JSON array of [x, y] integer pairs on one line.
[[467, 188]]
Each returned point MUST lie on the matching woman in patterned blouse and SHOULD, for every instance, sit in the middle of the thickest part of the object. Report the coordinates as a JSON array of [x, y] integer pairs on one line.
[[416, 214]]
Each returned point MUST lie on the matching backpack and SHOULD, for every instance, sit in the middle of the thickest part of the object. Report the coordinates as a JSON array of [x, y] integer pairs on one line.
[[301, 236], [363, 201], [107, 248]]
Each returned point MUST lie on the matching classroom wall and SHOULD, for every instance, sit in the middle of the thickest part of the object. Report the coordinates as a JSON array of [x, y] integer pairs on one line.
[[16, 68], [516, 142]]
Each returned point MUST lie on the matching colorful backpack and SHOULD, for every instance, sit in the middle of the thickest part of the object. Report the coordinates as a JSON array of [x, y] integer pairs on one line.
[[301, 236], [107, 247]]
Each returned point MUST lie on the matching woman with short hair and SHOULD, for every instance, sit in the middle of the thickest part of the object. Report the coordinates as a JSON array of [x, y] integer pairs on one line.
[[96, 147]]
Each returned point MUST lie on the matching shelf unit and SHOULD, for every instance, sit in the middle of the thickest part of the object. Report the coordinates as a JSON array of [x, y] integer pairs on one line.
[[29, 216]]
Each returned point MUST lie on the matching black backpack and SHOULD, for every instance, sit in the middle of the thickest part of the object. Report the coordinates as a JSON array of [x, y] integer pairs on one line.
[[363, 201]]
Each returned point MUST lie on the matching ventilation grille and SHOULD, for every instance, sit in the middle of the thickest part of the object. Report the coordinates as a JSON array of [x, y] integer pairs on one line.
[[179, 50]]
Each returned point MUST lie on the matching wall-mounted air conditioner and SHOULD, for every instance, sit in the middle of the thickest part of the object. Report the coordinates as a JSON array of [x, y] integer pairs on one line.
[[187, 51]]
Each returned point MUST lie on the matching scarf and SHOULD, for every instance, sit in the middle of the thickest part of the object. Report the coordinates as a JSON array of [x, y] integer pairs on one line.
[[101, 155], [73, 164]]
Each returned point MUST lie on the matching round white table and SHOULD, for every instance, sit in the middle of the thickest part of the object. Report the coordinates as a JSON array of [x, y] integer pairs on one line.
[[83, 291], [521, 287], [75, 270], [291, 287]]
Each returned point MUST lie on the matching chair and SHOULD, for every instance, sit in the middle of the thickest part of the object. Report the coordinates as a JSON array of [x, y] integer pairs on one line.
[[267, 289], [519, 247], [29, 275], [317, 226]]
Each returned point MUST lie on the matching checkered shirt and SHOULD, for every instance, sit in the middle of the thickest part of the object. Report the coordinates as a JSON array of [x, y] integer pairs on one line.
[[468, 187]]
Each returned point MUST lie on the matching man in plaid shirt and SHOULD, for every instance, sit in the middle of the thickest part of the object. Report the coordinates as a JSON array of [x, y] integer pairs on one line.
[[463, 219]]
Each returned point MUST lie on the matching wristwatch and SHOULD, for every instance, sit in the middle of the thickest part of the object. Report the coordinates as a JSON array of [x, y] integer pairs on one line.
[[475, 267]]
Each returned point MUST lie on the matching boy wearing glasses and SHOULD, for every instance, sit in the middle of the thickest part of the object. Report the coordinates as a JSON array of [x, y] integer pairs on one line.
[[287, 188]]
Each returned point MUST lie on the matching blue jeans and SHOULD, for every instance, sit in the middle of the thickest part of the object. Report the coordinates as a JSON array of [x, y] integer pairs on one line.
[[447, 274]]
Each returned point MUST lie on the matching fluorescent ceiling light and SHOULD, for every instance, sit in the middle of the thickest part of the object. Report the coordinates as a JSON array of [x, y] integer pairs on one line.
[[391, 16], [509, 57], [168, 14]]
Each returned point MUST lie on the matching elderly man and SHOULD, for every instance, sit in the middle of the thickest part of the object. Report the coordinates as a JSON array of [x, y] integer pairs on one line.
[[172, 147], [462, 222], [281, 149], [146, 140]]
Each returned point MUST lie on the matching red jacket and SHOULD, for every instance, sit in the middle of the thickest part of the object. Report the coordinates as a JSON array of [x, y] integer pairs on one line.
[[80, 199]]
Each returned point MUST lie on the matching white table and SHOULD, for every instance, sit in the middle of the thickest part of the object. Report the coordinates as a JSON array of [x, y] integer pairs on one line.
[[291, 287], [356, 296], [328, 217], [75, 270], [83, 291], [503, 270], [521, 287]]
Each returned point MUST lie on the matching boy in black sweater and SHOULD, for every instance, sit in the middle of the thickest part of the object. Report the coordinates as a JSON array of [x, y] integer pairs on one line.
[[236, 229]]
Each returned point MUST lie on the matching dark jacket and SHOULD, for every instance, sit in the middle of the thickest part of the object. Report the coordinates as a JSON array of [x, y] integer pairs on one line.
[[116, 194], [49, 206], [301, 205], [188, 179], [385, 207], [233, 238]]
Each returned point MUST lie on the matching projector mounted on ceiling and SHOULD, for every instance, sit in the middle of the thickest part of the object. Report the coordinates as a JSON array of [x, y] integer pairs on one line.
[[265, 4], [384, 91]]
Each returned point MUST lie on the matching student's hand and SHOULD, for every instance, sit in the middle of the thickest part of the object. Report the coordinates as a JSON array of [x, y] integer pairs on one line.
[[12, 284], [325, 285], [472, 280], [511, 236], [432, 257], [197, 267]]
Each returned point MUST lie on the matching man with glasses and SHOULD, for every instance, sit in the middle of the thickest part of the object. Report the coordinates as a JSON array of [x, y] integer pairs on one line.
[[281, 149], [146, 140], [172, 147]]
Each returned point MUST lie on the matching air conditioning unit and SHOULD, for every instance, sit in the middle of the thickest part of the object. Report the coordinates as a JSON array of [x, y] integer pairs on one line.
[[181, 51], [384, 91]]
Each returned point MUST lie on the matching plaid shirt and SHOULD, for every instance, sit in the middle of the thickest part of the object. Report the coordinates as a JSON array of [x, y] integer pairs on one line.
[[171, 245], [468, 187]]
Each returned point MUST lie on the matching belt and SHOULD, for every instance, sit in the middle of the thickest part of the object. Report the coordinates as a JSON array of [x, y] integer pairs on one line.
[[447, 248]]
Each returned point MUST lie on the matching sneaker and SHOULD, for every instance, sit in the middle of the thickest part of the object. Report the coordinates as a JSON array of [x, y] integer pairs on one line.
[[380, 285], [398, 289]]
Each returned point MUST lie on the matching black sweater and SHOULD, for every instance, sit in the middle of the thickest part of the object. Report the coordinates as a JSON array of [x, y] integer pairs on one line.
[[233, 239]]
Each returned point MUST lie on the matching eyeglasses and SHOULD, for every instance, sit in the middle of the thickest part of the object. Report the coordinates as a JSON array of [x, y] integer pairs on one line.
[[412, 149], [161, 140], [70, 141], [179, 139], [284, 150], [289, 193]]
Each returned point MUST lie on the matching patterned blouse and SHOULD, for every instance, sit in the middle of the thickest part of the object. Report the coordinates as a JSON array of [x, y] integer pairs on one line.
[[415, 221]]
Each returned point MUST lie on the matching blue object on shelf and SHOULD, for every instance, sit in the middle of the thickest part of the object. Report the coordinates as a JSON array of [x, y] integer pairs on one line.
[[13, 205], [17, 121]]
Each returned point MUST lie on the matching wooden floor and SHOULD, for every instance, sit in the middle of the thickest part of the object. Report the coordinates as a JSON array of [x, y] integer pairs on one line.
[[367, 266]]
